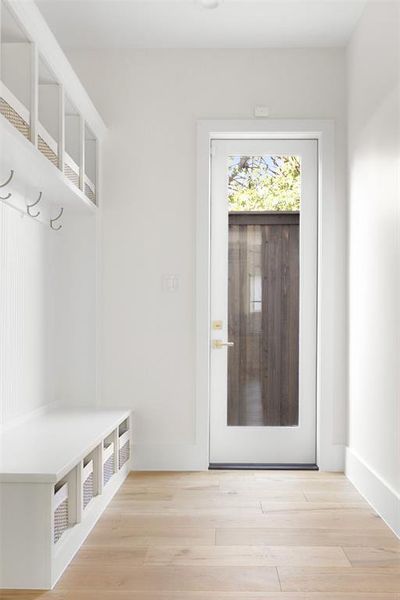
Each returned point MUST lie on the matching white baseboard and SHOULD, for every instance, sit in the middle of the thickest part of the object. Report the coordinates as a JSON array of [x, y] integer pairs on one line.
[[169, 457], [375, 490], [194, 457]]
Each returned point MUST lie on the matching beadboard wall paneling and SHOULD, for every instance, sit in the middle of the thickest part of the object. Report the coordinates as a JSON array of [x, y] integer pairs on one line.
[[47, 311], [26, 314]]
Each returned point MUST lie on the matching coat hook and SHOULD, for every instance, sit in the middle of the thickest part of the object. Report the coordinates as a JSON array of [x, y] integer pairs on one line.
[[8, 180], [29, 206], [56, 219], [6, 197]]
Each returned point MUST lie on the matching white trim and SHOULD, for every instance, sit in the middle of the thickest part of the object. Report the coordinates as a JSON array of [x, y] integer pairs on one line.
[[382, 497], [330, 456]]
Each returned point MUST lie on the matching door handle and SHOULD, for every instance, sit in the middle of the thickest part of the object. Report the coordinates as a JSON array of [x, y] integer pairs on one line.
[[218, 344]]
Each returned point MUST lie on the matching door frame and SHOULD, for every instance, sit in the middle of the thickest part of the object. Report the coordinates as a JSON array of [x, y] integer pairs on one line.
[[329, 456]]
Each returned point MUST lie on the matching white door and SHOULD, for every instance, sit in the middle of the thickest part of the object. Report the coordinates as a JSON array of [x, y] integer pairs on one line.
[[264, 197]]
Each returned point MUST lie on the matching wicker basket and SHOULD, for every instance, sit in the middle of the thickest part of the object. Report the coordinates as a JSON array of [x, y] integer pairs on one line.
[[123, 449], [47, 151], [60, 512], [71, 174], [14, 118], [87, 483], [108, 462]]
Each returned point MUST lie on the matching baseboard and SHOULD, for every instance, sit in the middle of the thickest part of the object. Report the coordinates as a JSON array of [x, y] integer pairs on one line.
[[375, 490], [262, 467], [169, 457]]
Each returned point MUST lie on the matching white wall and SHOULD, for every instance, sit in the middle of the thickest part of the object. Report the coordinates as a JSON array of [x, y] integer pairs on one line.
[[26, 315], [374, 299], [47, 310], [151, 100]]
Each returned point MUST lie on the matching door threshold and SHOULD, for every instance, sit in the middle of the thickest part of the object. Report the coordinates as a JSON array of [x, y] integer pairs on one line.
[[262, 467]]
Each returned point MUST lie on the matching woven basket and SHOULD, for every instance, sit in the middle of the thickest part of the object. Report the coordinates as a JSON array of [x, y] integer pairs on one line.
[[14, 118], [90, 194], [60, 520], [71, 174], [108, 469], [124, 453], [88, 490], [60, 514], [47, 151]]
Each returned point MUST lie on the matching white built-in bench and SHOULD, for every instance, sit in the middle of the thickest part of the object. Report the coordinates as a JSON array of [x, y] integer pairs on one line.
[[58, 471]]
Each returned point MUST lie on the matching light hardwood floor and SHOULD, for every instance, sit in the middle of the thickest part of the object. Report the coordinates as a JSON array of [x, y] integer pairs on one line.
[[243, 535]]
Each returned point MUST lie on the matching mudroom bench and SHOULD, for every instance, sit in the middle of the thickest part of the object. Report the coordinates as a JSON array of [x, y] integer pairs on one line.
[[58, 471]]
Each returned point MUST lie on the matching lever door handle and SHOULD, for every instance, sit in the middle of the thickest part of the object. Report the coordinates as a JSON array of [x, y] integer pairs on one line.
[[218, 344]]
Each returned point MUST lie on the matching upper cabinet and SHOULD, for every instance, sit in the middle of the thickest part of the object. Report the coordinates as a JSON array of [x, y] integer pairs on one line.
[[43, 102]]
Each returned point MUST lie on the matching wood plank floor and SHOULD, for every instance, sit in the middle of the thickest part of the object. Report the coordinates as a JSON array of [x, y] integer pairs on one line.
[[244, 535]]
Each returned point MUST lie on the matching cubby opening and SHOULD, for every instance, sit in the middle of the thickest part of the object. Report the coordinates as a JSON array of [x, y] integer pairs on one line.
[[73, 143], [64, 505], [123, 443], [108, 457], [48, 113], [89, 487], [16, 75]]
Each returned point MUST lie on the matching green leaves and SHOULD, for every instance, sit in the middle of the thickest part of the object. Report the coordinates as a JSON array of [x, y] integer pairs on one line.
[[264, 183]]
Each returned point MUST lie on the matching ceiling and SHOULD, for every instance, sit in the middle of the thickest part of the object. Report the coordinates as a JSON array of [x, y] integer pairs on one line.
[[188, 24]]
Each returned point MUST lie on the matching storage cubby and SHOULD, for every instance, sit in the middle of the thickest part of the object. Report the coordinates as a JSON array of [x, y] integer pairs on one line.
[[49, 125], [42, 99], [60, 510], [73, 144], [88, 481], [16, 73], [90, 478], [108, 458], [123, 443], [64, 505]]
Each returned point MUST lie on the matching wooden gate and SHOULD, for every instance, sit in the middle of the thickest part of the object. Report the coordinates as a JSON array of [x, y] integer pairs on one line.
[[263, 319]]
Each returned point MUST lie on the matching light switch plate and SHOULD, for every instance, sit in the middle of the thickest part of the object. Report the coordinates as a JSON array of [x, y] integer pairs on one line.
[[261, 111], [171, 283]]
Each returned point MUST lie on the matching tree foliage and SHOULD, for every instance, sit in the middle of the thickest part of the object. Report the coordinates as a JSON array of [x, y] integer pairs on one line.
[[264, 183]]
